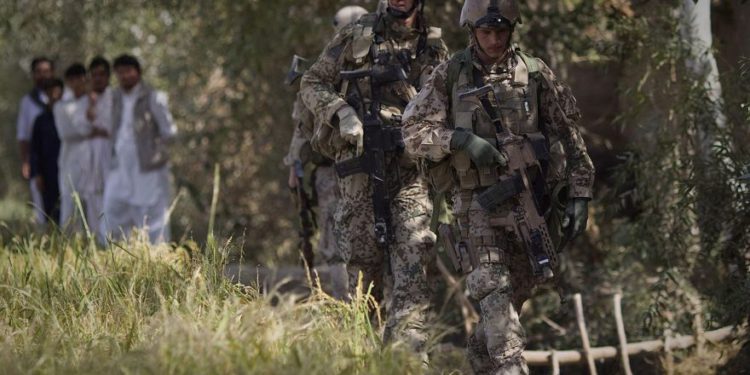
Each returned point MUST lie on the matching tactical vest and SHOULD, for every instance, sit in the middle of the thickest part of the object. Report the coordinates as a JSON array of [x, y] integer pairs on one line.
[[518, 110], [368, 46]]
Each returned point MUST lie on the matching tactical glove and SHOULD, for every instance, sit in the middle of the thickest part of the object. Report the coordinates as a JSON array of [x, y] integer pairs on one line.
[[481, 152], [576, 217], [350, 127]]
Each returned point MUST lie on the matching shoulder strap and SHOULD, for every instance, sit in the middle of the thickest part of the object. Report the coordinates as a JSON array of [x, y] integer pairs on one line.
[[454, 68], [531, 63], [455, 64], [362, 36]]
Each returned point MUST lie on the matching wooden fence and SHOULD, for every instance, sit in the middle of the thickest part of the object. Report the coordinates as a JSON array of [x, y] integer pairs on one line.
[[588, 355]]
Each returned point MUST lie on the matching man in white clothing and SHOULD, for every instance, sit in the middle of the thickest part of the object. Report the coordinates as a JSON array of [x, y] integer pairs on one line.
[[82, 140], [74, 154], [137, 190], [31, 106]]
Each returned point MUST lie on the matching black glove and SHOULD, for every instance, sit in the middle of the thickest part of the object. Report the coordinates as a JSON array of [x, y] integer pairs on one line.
[[576, 217], [481, 152]]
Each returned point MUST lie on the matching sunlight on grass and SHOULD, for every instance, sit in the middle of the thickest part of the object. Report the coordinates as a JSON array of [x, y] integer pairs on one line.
[[68, 308]]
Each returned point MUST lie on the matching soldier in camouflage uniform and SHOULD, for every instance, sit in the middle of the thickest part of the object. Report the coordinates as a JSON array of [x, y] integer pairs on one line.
[[326, 184], [460, 139], [395, 35]]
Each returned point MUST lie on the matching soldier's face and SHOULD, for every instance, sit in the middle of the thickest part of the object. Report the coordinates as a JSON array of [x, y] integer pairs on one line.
[[402, 5], [128, 76], [493, 40]]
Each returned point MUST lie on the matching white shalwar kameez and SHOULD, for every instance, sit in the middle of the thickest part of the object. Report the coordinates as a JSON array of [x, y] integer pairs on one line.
[[134, 198]]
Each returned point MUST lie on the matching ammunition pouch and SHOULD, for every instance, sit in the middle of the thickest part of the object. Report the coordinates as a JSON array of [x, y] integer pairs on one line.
[[470, 177], [327, 140], [462, 257], [441, 175]]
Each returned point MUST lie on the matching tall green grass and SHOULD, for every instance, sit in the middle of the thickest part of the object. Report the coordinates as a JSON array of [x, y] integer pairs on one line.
[[66, 307]]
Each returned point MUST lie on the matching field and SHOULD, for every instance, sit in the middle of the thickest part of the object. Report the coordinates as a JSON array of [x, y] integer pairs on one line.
[[69, 308]]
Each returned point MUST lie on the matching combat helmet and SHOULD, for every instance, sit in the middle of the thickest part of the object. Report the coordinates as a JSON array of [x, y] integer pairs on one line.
[[347, 15], [490, 13]]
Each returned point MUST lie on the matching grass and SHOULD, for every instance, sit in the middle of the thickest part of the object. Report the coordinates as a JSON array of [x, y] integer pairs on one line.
[[66, 307]]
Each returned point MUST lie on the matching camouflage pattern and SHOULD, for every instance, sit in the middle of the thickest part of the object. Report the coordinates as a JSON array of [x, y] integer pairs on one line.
[[503, 280], [326, 191], [501, 284], [408, 255], [427, 131], [303, 121]]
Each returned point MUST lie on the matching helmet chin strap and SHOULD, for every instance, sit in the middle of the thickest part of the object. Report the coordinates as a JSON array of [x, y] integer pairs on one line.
[[402, 15]]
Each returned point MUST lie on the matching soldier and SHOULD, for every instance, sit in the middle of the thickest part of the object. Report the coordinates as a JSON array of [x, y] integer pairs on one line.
[[392, 52], [463, 142], [326, 185]]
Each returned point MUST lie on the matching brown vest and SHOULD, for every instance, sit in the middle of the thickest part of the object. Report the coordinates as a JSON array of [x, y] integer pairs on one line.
[[152, 150]]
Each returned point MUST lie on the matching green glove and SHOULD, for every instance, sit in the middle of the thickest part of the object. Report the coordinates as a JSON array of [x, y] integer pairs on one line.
[[576, 217], [481, 152]]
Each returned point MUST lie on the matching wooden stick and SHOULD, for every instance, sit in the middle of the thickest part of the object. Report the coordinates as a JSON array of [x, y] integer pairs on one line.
[[700, 341], [467, 309], [541, 358], [668, 357], [584, 334], [555, 363], [621, 335]]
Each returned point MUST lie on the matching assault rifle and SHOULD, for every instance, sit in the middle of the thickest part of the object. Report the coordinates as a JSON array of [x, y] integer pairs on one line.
[[520, 183], [306, 215], [378, 140]]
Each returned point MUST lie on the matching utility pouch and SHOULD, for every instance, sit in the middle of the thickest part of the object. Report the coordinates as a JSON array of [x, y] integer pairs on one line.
[[487, 176], [441, 176], [468, 178], [459, 252]]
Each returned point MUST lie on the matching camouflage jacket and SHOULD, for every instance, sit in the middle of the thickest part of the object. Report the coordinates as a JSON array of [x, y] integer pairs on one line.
[[428, 128], [321, 87], [303, 124]]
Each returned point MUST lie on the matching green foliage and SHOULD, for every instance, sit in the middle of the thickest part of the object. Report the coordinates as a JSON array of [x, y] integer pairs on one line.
[[137, 309], [677, 248]]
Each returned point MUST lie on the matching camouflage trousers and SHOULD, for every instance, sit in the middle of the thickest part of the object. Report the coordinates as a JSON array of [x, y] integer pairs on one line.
[[327, 191], [403, 267], [501, 284]]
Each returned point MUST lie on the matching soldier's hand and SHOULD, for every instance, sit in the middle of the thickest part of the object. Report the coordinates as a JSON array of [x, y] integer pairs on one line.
[[576, 217], [292, 178], [350, 127], [481, 152]]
